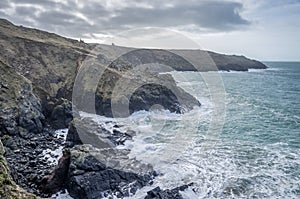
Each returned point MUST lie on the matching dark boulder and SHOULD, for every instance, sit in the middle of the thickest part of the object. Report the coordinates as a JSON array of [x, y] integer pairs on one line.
[[157, 193], [61, 115], [88, 131], [145, 97], [95, 173], [73, 137]]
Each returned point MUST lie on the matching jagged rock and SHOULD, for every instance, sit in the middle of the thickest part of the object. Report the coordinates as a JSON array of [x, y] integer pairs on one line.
[[22, 108], [51, 62], [73, 137], [61, 115], [157, 193], [94, 173], [88, 131]]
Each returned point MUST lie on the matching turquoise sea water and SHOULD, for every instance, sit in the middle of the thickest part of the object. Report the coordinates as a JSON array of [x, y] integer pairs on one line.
[[262, 127], [255, 155]]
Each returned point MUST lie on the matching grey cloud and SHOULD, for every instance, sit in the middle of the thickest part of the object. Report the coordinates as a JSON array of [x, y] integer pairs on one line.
[[23, 11], [56, 18], [4, 4], [43, 3], [95, 11], [61, 18], [213, 15], [63, 23]]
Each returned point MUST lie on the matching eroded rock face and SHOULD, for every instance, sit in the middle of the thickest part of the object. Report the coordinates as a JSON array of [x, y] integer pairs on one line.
[[52, 63], [87, 131], [61, 115], [23, 132], [97, 173], [19, 107]]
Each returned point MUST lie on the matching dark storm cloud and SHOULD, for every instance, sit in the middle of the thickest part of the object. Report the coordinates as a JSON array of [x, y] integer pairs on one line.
[[75, 20]]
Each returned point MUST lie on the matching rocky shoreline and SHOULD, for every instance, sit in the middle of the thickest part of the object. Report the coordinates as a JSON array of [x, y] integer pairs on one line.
[[37, 74], [27, 161], [85, 170], [93, 171]]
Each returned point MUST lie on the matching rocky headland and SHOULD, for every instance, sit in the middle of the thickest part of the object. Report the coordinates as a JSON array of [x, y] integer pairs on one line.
[[38, 71]]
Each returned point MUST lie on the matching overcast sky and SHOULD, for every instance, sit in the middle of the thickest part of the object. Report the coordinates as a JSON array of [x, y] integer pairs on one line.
[[261, 29]]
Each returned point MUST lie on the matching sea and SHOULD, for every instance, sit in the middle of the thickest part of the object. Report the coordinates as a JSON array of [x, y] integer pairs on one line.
[[251, 151]]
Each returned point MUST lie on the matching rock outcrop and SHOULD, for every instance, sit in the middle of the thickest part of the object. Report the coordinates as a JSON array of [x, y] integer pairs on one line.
[[87, 131], [98, 168], [157, 193], [185, 60], [96, 173], [52, 62], [38, 71], [54, 182], [20, 109], [23, 132]]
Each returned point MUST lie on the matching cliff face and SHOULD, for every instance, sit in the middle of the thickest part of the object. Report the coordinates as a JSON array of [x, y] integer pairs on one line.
[[51, 62], [37, 76], [20, 108], [187, 60], [20, 113], [44, 58]]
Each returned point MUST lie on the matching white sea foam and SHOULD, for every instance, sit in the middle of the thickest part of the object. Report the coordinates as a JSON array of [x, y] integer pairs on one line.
[[52, 156], [240, 163], [62, 195]]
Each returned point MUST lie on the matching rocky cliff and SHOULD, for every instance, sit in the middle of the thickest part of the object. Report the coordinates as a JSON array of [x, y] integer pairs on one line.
[[38, 71], [20, 120], [52, 62]]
